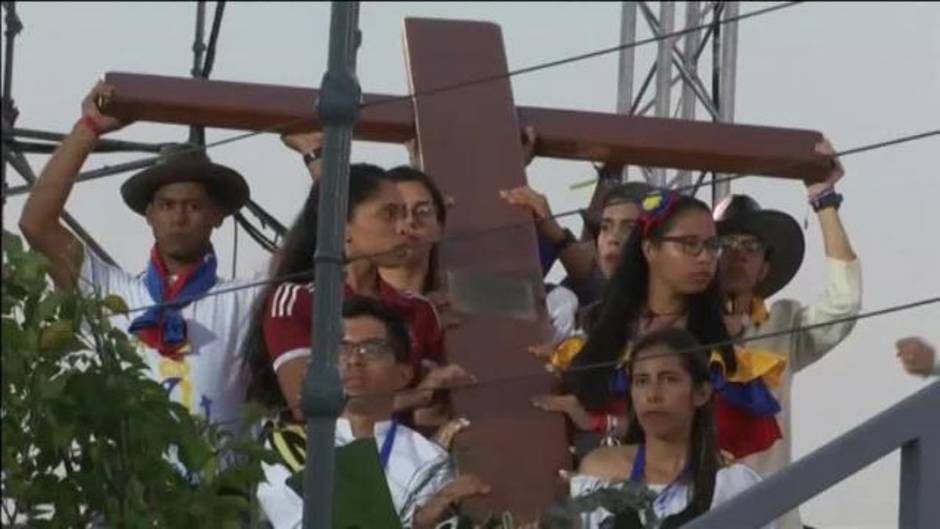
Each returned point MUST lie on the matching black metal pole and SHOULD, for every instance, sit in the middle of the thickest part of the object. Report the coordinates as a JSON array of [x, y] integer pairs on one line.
[[322, 395], [14, 26], [95, 174], [197, 134], [116, 145]]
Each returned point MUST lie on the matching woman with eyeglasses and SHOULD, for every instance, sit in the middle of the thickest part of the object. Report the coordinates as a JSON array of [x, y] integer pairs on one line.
[[666, 278], [425, 217], [277, 346]]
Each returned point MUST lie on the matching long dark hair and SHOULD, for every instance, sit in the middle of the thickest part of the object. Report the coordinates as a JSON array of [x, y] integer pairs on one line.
[[295, 259], [406, 173], [704, 458], [622, 306]]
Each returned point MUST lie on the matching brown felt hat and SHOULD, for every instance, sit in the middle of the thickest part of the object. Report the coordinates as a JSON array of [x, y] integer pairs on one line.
[[780, 233], [186, 163]]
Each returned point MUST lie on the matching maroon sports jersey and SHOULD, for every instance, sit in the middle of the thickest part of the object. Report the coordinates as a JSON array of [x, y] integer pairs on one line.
[[289, 316]]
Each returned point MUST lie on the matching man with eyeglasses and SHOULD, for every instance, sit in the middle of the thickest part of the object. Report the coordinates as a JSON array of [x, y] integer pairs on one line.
[[762, 251], [387, 475]]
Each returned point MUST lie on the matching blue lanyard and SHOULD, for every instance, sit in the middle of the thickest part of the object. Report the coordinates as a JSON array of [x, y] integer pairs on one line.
[[387, 444], [639, 464], [639, 470]]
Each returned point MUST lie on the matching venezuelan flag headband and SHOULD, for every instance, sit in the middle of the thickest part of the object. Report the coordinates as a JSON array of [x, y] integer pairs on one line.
[[657, 207]]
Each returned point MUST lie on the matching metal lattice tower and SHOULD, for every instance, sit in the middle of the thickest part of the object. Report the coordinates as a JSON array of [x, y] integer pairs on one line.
[[678, 62], [266, 230]]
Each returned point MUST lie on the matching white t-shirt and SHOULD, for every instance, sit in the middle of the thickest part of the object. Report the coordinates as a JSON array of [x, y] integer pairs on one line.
[[208, 380], [562, 306], [729, 482], [417, 470]]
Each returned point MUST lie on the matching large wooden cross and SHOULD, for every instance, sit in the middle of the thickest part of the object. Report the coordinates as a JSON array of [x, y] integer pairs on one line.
[[469, 141]]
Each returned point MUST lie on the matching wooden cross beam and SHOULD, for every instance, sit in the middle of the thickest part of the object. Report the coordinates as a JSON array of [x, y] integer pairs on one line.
[[569, 134], [469, 141]]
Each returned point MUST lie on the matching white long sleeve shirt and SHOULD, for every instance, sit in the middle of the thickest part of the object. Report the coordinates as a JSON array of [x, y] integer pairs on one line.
[[841, 299]]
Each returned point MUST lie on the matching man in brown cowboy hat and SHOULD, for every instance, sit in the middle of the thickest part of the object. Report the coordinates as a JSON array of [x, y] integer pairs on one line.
[[763, 251], [188, 337]]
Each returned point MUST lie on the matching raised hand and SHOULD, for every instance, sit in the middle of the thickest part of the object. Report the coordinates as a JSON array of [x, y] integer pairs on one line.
[[101, 123], [303, 142], [527, 197], [465, 486], [836, 173], [916, 355], [567, 404]]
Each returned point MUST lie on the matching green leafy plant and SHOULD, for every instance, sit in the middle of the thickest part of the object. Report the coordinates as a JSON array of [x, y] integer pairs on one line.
[[88, 438], [617, 498]]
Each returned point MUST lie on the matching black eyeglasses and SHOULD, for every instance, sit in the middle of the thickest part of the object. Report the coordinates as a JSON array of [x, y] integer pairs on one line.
[[370, 351], [694, 246], [423, 212], [749, 245]]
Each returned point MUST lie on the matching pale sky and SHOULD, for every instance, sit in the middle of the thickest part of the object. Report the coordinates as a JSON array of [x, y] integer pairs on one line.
[[859, 73]]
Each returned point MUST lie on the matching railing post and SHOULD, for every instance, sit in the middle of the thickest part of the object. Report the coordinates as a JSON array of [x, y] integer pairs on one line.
[[911, 425], [920, 480]]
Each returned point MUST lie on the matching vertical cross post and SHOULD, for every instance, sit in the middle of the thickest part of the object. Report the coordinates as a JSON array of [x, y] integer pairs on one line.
[[469, 142]]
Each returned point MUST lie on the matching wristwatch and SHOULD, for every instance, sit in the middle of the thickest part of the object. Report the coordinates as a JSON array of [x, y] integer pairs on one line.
[[312, 156], [829, 199]]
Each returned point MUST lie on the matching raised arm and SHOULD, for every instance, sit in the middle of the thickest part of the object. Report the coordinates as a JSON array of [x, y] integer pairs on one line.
[[577, 257], [843, 295], [309, 145], [835, 238], [40, 221]]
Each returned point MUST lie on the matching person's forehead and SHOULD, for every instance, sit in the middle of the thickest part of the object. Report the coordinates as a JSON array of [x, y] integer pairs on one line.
[[657, 359], [744, 235], [693, 223], [414, 191], [363, 327], [620, 210], [387, 193], [181, 190]]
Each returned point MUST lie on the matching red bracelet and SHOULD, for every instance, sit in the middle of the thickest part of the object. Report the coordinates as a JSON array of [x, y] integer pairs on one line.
[[90, 123], [599, 422]]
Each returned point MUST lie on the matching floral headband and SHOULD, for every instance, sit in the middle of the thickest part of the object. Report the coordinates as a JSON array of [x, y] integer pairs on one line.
[[657, 207]]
